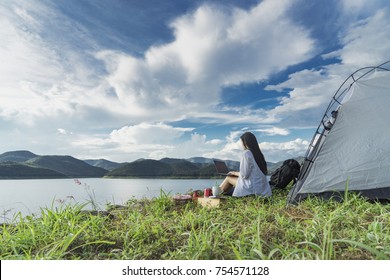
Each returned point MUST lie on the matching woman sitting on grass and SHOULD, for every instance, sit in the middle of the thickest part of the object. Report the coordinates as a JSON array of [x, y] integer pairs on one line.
[[251, 179]]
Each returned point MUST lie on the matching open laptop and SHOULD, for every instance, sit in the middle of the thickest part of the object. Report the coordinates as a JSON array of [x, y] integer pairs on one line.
[[221, 167]]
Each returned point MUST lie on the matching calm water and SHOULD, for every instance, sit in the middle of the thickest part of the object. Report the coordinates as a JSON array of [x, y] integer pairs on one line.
[[28, 196]]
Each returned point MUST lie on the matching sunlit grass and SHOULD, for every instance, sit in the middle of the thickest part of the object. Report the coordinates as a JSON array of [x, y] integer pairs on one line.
[[245, 228]]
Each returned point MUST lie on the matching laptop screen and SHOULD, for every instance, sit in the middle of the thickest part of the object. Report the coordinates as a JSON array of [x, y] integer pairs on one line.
[[221, 167]]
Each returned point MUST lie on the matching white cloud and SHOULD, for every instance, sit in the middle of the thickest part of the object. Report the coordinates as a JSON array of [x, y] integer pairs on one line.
[[161, 140], [52, 82], [43, 74], [274, 152], [232, 148], [48, 75], [140, 134], [198, 145], [366, 43], [356, 8], [274, 131], [310, 90], [146, 140], [21, 54], [212, 48], [61, 131], [147, 133], [300, 79], [352, 6], [48, 80]]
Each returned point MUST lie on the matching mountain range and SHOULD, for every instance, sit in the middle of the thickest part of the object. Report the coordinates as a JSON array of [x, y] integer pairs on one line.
[[164, 168], [103, 163], [27, 165]]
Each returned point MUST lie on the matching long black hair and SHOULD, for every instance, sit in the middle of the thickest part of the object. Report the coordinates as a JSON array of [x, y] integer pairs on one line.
[[250, 142]]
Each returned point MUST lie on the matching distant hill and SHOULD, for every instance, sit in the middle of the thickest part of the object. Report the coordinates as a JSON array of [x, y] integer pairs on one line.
[[17, 156], [202, 162], [10, 170], [166, 167], [25, 164], [195, 167], [208, 171], [103, 163], [68, 166], [143, 168], [182, 167]]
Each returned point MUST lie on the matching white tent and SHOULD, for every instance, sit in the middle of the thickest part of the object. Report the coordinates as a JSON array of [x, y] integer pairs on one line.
[[354, 154]]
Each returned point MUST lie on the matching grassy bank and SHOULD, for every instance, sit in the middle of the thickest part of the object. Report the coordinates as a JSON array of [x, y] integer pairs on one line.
[[246, 228]]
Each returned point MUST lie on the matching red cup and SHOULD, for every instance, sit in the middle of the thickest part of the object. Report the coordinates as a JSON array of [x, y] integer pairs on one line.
[[195, 194], [207, 192]]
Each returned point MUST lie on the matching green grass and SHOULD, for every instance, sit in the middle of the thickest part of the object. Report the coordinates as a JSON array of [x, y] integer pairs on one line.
[[245, 228]]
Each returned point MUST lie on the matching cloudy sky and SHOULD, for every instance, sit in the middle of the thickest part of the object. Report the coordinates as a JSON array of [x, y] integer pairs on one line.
[[133, 79]]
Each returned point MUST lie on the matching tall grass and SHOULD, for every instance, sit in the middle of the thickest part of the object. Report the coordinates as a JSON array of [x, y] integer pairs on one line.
[[54, 234], [245, 228]]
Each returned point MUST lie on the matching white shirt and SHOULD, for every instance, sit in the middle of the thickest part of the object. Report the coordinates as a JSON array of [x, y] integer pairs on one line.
[[251, 180]]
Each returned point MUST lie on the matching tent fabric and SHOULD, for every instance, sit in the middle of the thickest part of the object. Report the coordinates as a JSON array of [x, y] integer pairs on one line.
[[355, 153]]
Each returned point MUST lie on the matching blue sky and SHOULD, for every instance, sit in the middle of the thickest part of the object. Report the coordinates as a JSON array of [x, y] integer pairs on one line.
[[124, 80]]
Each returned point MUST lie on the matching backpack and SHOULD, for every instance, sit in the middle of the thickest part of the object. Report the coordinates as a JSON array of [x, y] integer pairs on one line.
[[285, 174]]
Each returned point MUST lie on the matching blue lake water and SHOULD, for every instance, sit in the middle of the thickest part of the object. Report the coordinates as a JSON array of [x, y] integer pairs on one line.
[[28, 196]]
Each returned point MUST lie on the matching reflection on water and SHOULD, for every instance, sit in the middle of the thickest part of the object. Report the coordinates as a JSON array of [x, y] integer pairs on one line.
[[28, 196]]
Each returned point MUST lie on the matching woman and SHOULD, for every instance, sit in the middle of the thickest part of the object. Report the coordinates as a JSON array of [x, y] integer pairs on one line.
[[251, 179]]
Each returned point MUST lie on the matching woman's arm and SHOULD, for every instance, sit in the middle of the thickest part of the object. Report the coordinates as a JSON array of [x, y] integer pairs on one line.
[[234, 173], [246, 165]]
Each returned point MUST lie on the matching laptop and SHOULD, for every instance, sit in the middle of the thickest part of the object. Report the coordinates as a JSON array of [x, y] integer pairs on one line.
[[221, 167]]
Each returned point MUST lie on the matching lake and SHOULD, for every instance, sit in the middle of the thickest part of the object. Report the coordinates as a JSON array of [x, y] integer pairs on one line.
[[28, 196]]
